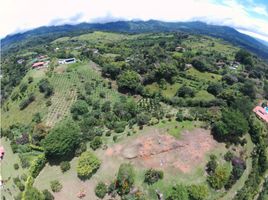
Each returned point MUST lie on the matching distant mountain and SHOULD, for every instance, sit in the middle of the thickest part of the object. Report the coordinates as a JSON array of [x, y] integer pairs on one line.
[[262, 41], [50, 33]]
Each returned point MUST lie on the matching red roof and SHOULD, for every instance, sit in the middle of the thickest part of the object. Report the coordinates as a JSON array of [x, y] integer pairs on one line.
[[261, 113], [38, 64]]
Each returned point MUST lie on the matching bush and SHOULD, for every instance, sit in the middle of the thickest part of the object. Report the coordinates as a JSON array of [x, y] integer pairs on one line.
[[33, 193], [96, 143], [152, 176], [220, 177], [48, 195], [65, 166], [80, 107], [37, 165], [185, 91], [45, 87], [178, 192], [125, 179], [88, 164], [27, 101], [101, 190], [198, 192], [55, 186], [16, 166]]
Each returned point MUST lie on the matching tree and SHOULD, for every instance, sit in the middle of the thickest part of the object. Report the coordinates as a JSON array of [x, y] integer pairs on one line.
[[185, 91], [88, 164], [152, 176], [45, 87], [80, 107], [143, 119], [215, 88], [265, 89], [249, 89], [165, 71], [101, 190], [125, 179], [62, 140], [33, 193], [128, 81], [47, 195], [244, 57], [199, 65], [220, 177], [198, 192], [231, 126], [178, 192]]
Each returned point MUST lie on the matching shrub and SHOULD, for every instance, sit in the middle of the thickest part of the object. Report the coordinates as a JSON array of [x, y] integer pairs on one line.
[[198, 192], [48, 195], [228, 156], [55, 186], [27, 101], [152, 176], [80, 107], [125, 179], [16, 166], [37, 165], [96, 143], [185, 91], [102, 95], [19, 184], [220, 177], [33, 193], [65, 166], [178, 192], [45, 87], [101, 190], [88, 164]]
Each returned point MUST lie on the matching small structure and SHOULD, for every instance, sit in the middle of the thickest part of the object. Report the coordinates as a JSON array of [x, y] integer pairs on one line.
[[188, 66], [67, 61], [20, 61], [261, 113], [180, 49], [2, 152], [220, 64], [38, 65]]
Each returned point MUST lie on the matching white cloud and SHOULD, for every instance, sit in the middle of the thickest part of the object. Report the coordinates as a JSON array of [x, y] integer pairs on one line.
[[27, 14]]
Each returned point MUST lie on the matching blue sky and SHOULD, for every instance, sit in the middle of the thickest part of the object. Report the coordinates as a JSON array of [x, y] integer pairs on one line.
[[247, 16]]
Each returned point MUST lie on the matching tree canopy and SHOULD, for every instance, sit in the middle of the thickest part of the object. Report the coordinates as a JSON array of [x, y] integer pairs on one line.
[[62, 140]]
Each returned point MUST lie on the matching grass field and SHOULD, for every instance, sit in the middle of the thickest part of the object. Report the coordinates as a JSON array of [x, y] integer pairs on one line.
[[175, 128], [110, 164], [8, 172]]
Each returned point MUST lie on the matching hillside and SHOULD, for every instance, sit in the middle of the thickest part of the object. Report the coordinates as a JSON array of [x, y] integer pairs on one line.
[[132, 116], [50, 33]]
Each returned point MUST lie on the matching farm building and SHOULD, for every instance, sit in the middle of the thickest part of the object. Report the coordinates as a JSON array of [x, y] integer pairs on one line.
[[38, 65], [180, 49], [67, 61], [2, 152], [261, 113]]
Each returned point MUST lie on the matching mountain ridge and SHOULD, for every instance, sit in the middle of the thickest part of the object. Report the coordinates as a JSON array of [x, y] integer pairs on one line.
[[226, 33]]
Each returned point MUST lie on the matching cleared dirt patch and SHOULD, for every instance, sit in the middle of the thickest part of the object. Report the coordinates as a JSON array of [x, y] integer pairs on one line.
[[160, 150]]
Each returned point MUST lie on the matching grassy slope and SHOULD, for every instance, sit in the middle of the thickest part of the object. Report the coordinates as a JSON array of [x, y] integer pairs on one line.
[[8, 172]]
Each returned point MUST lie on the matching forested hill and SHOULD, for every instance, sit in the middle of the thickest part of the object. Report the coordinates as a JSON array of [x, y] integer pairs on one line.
[[52, 32]]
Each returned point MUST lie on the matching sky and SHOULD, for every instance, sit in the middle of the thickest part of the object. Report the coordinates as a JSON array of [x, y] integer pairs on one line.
[[247, 16]]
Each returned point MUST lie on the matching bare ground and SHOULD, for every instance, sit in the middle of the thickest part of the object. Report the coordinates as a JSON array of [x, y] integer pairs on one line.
[[156, 150]]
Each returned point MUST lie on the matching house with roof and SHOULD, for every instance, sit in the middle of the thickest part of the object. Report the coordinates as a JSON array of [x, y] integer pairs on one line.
[[261, 113], [67, 61]]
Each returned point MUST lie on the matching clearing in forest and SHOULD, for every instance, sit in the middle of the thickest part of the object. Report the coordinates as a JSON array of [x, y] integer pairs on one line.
[[163, 151]]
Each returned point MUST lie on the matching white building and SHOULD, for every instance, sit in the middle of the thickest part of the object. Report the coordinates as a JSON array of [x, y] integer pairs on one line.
[[67, 61]]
